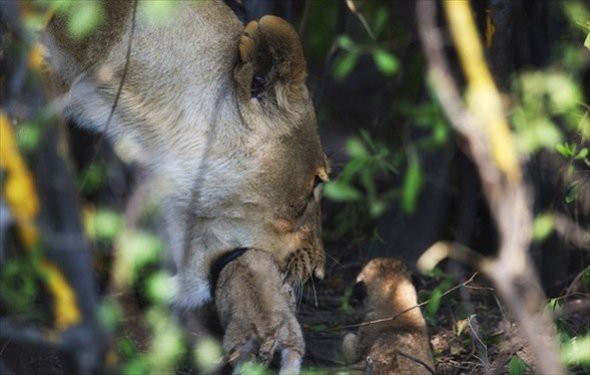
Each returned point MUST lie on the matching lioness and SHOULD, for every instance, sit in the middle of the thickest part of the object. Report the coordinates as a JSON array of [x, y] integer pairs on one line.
[[220, 115]]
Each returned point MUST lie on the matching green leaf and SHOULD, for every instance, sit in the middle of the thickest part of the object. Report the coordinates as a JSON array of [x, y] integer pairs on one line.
[[346, 43], [563, 149], [380, 20], [84, 17], [159, 287], [586, 276], [385, 61], [345, 65], [110, 314], [412, 185], [543, 226], [355, 148], [582, 154], [104, 224], [341, 192], [577, 351], [587, 41], [29, 136], [434, 304], [208, 353], [516, 366], [345, 304]]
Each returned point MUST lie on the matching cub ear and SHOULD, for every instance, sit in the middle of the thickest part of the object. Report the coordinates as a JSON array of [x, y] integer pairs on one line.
[[271, 63]]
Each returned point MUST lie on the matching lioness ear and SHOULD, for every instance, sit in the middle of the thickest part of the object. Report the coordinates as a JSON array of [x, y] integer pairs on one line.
[[271, 62]]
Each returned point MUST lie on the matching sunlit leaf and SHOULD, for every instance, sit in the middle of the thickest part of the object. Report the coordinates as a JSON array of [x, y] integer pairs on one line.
[[577, 351], [103, 224], [355, 148], [84, 17], [412, 186], [345, 65], [135, 250], [252, 368], [159, 287], [346, 43], [434, 304], [208, 354], [543, 226], [340, 192], [385, 61]]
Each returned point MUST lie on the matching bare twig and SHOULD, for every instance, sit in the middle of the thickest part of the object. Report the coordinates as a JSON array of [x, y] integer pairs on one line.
[[420, 362], [490, 146]]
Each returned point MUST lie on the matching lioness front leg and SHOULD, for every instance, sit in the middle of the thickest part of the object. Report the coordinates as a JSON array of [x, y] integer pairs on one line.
[[256, 309]]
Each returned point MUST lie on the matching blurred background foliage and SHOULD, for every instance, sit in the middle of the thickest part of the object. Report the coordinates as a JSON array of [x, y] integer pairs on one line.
[[401, 177]]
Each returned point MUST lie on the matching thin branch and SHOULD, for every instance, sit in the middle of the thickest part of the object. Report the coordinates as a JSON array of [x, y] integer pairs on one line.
[[420, 362], [490, 145]]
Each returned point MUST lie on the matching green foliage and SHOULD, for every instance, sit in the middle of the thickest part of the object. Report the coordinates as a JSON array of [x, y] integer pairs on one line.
[[84, 17], [252, 368], [351, 51], [159, 287], [110, 314], [546, 97], [412, 185], [357, 183], [345, 305], [586, 276], [29, 136], [435, 296], [92, 178], [516, 366], [385, 62], [103, 224], [543, 226], [576, 351], [136, 250], [207, 354], [18, 285]]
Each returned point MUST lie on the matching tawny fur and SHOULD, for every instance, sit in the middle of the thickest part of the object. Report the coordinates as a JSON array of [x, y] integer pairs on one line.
[[389, 293], [231, 170], [265, 321]]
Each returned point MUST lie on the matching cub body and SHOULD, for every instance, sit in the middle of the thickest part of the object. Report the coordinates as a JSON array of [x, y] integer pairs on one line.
[[392, 346]]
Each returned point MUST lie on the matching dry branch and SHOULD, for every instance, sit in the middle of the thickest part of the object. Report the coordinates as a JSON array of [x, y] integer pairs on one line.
[[490, 144]]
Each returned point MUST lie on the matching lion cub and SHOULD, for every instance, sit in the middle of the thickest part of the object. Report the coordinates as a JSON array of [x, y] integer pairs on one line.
[[397, 346]]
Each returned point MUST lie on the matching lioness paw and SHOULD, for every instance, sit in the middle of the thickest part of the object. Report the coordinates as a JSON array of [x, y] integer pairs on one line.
[[255, 307]]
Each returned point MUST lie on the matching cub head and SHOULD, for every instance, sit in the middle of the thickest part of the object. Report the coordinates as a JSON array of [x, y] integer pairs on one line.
[[274, 101]]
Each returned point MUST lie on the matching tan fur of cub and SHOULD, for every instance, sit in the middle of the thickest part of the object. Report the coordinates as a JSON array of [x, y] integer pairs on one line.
[[386, 346]]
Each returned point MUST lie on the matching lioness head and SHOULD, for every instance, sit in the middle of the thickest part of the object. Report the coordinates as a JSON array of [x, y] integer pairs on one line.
[[270, 77]]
